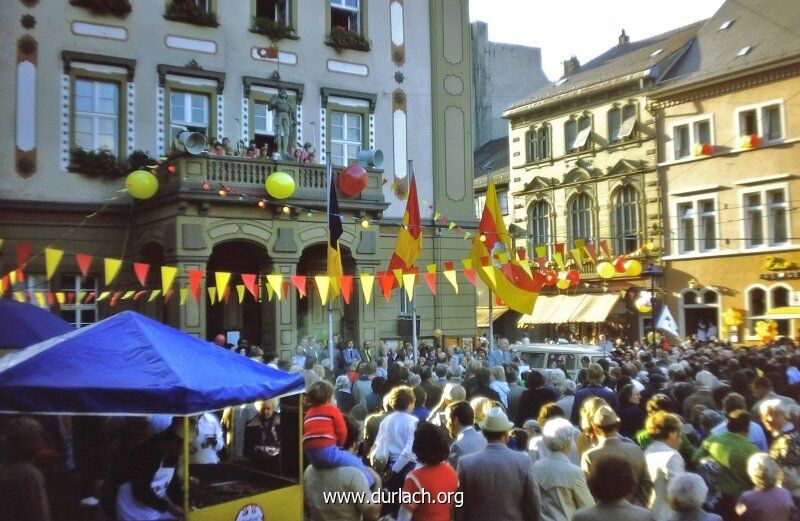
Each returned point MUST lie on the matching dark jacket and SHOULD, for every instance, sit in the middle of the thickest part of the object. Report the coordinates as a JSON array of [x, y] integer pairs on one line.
[[144, 462]]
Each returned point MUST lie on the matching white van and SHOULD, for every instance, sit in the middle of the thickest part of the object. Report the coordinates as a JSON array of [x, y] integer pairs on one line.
[[566, 357]]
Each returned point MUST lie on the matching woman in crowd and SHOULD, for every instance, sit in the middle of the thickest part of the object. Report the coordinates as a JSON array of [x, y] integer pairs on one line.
[[664, 462], [610, 482], [686, 494], [630, 411], [767, 501]]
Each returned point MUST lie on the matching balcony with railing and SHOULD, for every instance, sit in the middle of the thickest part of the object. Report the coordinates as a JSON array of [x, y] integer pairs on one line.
[[202, 176]]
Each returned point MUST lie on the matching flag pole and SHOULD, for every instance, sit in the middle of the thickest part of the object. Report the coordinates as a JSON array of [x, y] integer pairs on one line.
[[410, 172], [330, 303], [491, 322]]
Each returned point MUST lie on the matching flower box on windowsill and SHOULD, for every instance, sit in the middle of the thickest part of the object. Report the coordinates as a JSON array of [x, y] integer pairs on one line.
[[118, 8], [186, 11], [104, 165], [341, 39], [275, 31]]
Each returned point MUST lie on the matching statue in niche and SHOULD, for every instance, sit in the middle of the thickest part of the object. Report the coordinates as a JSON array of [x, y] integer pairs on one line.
[[284, 123]]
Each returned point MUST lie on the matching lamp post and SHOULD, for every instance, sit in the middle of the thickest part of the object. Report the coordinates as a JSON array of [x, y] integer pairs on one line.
[[653, 272]]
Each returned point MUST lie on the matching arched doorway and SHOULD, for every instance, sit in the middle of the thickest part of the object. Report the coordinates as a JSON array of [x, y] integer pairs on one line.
[[250, 319], [312, 316]]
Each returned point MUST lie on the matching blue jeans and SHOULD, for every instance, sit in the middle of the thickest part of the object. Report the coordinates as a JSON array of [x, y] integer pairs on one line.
[[333, 456]]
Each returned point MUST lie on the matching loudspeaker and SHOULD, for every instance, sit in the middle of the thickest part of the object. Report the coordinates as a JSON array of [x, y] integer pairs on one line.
[[192, 142], [404, 326], [371, 157]]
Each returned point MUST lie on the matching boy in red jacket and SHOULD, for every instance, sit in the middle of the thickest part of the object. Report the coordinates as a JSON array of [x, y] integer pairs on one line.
[[325, 432]]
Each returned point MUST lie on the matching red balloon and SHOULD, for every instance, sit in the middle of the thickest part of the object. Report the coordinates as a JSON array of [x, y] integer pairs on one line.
[[573, 276], [352, 180], [619, 264], [550, 278]]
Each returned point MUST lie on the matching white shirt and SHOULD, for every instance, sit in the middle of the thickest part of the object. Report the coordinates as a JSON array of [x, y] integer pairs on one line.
[[396, 433], [663, 463], [203, 449]]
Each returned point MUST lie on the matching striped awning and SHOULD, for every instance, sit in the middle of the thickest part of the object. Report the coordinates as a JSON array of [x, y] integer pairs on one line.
[[561, 309], [482, 316]]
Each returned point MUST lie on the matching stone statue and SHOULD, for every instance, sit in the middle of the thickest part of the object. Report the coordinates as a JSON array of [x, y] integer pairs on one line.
[[284, 122]]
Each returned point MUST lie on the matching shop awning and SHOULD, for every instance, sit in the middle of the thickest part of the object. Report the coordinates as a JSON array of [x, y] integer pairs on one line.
[[560, 309], [782, 313], [482, 315]]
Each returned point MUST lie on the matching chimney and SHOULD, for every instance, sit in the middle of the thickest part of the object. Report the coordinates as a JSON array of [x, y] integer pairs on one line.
[[571, 65], [624, 38]]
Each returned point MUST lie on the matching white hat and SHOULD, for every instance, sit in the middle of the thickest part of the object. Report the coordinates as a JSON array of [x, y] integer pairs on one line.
[[496, 421], [706, 379]]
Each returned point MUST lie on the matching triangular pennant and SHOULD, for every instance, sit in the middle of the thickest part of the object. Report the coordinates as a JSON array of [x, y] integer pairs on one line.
[[467, 235], [52, 258], [270, 291], [323, 285], [489, 272], [23, 253], [541, 251], [84, 260], [4, 284], [559, 258], [299, 282], [467, 263], [285, 289], [592, 249], [387, 283], [111, 269], [90, 297], [226, 295], [431, 268], [275, 281], [167, 277], [12, 277], [450, 275], [41, 299], [168, 295], [20, 275], [436, 216], [398, 275], [138, 294], [212, 295], [61, 298], [70, 297], [115, 298], [222, 278], [184, 294], [154, 295], [471, 275], [19, 296], [194, 283], [409, 279], [367, 282], [346, 287], [430, 278], [249, 280], [103, 295], [577, 255], [128, 295], [141, 269], [240, 289], [51, 299], [604, 247], [452, 225]]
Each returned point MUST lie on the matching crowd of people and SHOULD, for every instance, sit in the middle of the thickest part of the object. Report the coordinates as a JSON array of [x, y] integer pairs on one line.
[[702, 431]]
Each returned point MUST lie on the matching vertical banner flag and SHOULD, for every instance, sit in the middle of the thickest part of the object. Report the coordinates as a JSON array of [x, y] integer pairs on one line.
[[334, 233], [512, 284], [409, 238]]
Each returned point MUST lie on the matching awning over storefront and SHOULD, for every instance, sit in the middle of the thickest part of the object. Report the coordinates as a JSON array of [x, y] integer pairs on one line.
[[482, 315], [559, 309]]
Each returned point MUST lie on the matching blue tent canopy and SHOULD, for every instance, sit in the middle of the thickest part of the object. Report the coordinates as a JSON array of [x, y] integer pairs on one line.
[[130, 364], [22, 325]]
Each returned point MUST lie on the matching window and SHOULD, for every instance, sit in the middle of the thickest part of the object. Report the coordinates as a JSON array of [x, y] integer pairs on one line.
[[538, 144], [502, 199], [204, 6], [346, 137], [708, 225], [570, 133], [614, 124], [346, 14], [756, 306], [681, 141], [480, 201], [686, 227], [582, 140], [702, 132], [78, 313], [686, 136], [764, 120], [531, 140], [539, 222], [544, 142], [405, 304], [628, 122], [626, 220], [263, 124], [766, 218], [188, 111], [96, 115], [580, 218], [779, 297], [275, 10]]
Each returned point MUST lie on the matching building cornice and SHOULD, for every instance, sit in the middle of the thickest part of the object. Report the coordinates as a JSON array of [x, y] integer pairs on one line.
[[68, 57], [249, 81], [190, 72]]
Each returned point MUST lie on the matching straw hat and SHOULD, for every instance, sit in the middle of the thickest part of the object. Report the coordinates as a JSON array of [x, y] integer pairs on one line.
[[605, 417], [496, 421]]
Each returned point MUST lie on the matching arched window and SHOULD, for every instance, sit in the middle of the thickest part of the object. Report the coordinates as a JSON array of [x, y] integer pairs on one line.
[[539, 224], [756, 306], [625, 220], [580, 218], [543, 135], [779, 297]]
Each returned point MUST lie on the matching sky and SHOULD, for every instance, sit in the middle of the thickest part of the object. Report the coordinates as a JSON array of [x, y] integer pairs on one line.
[[583, 28]]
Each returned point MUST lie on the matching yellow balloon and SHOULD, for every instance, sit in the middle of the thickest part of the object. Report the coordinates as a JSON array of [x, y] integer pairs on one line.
[[633, 268], [606, 270], [280, 185], [641, 307], [562, 284], [141, 184]]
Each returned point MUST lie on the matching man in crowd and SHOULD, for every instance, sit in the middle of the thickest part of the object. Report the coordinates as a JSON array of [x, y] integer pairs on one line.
[[460, 420]]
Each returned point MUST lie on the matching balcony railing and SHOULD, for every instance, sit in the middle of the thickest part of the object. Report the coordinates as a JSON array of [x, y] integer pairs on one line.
[[247, 176]]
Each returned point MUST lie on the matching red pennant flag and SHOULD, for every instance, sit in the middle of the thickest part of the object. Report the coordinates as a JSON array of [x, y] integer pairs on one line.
[[20, 275], [299, 282], [141, 272], [346, 285], [167, 296], [249, 280], [471, 276], [521, 253], [560, 247], [5, 284], [430, 278], [70, 297], [139, 294], [387, 280], [604, 247], [194, 283], [592, 249], [227, 294], [90, 297], [115, 298], [285, 288], [84, 261], [542, 262], [23, 253], [51, 299]]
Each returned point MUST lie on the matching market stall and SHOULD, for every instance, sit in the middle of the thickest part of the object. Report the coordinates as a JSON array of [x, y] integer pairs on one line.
[[131, 365], [22, 325]]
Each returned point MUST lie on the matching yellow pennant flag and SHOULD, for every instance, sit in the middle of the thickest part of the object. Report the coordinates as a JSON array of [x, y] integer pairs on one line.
[[451, 225], [167, 277], [559, 259], [576, 254], [12, 277], [184, 292], [275, 281], [436, 216], [103, 296], [52, 257], [128, 295], [526, 265], [270, 291], [541, 251], [19, 296], [467, 263], [79, 297], [398, 274], [489, 272], [408, 282], [323, 284], [40, 299], [212, 295], [450, 275], [367, 282], [467, 235], [61, 297], [431, 268], [222, 278], [111, 269], [240, 292], [154, 295]]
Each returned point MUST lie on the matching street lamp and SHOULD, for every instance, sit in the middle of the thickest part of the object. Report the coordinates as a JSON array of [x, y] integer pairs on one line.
[[653, 272]]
